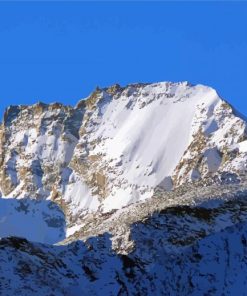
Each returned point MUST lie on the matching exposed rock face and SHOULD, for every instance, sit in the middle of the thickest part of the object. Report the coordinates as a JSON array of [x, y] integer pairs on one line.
[[155, 172]]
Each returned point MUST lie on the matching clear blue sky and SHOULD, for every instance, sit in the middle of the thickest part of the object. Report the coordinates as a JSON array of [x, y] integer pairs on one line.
[[51, 51]]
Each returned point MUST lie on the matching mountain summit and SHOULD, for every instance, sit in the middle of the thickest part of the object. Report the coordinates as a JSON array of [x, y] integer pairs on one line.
[[119, 144], [170, 150]]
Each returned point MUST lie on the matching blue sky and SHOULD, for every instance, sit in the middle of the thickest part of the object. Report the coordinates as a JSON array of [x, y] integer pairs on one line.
[[60, 51]]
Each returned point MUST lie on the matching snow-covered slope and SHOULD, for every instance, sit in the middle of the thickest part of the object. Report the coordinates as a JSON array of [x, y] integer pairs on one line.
[[152, 177], [117, 146], [180, 251], [40, 221]]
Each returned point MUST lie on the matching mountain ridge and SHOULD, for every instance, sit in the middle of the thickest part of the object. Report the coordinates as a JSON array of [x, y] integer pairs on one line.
[[103, 147], [137, 190]]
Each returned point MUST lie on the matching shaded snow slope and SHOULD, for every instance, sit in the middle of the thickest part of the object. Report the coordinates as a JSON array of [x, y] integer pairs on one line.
[[40, 221], [179, 251]]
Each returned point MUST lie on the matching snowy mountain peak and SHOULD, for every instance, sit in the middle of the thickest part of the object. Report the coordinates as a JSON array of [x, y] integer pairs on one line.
[[119, 145], [151, 178]]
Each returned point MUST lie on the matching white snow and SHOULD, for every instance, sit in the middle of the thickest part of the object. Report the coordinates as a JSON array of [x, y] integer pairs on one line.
[[149, 138], [243, 147], [71, 230], [213, 159], [79, 196]]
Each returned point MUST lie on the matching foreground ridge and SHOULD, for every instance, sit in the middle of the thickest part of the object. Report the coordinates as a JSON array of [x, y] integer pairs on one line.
[[179, 251]]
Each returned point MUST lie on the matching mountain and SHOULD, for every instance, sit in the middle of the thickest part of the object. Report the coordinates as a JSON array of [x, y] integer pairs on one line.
[[130, 184]]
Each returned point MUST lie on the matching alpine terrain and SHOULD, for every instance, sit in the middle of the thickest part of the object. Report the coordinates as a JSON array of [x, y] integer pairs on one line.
[[137, 190]]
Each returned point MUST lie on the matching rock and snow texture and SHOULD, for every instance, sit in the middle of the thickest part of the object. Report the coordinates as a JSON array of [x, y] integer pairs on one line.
[[117, 146], [150, 176]]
